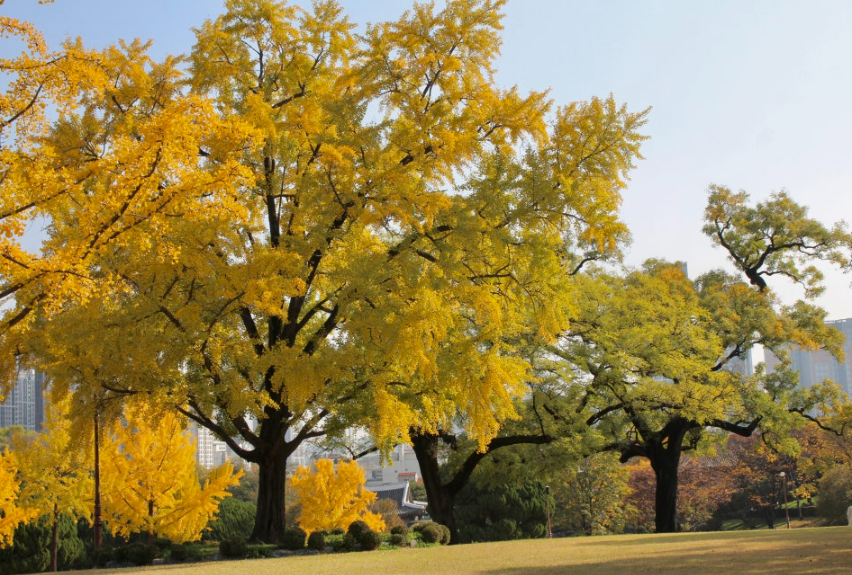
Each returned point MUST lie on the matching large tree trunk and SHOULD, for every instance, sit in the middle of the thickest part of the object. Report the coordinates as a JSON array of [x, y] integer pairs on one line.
[[270, 523], [441, 499], [666, 471], [664, 452]]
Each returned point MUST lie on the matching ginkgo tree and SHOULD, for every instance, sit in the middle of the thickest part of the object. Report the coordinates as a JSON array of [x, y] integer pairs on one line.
[[149, 479], [304, 227], [12, 511], [55, 470], [333, 496]]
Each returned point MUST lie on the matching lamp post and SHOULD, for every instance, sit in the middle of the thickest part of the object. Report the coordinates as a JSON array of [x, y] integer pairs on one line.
[[547, 498], [783, 477]]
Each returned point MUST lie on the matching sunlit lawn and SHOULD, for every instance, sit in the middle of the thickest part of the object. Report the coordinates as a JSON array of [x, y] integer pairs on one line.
[[814, 551]]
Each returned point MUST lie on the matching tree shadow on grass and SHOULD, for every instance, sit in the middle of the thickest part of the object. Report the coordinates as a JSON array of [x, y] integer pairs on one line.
[[798, 558]]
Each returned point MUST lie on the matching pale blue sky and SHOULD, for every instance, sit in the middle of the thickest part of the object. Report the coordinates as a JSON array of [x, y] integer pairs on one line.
[[752, 94]]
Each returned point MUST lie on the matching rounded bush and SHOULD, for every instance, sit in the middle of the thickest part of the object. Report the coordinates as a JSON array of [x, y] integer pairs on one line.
[[349, 541], [400, 530], [233, 548], [179, 553], [447, 535], [141, 554], [338, 531], [370, 540], [294, 538], [356, 528], [432, 534], [399, 539], [316, 540], [104, 556], [419, 527]]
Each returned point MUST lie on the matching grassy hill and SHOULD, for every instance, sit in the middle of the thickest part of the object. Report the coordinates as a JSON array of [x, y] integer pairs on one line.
[[822, 551]]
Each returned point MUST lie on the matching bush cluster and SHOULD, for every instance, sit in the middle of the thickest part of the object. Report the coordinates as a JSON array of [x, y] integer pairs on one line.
[[316, 540], [233, 548], [431, 532], [294, 538]]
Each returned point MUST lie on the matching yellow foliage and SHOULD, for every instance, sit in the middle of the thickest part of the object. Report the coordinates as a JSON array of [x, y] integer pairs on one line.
[[56, 467], [149, 478], [334, 496], [11, 513]]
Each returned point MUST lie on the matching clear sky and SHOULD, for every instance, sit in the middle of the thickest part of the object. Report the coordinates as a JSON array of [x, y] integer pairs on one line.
[[753, 95]]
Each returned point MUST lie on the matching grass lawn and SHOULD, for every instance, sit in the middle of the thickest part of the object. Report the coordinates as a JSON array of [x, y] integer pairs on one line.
[[818, 551]]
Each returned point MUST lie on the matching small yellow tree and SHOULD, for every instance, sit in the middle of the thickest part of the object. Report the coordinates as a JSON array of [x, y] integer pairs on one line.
[[55, 472], [150, 483], [334, 499], [11, 513]]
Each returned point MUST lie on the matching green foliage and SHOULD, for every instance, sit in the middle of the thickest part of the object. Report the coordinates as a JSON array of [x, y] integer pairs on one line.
[[417, 490], [233, 548], [30, 552], [773, 238], [399, 539], [141, 554], [246, 490], [835, 494], [370, 540], [294, 538], [356, 528], [235, 520], [400, 530], [316, 540], [499, 513], [432, 533], [589, 497]]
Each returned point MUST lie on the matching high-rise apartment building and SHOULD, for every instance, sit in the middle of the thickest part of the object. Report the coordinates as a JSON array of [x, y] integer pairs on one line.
[[816, 366], [24, 406]]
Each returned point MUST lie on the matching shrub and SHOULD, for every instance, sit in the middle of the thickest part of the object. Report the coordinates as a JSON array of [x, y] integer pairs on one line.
[[141, 554], [235, 520], [31, 550], [338, 531], [259, 551], [178, 552], [835, 494], [316, 540], [104, 556], [186, 552], [294, 538], [349, 541], [161, 543], [419, 527], [233, 548], [356, 528], [399, 539], [370, 540], [400, 530], [432, 533], [447, 535]]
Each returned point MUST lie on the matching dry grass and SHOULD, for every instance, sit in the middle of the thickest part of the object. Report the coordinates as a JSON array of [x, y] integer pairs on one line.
[[823, 551]]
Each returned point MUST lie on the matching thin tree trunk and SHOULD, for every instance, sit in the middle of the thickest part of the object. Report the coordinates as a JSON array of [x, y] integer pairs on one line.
[[54, 541]]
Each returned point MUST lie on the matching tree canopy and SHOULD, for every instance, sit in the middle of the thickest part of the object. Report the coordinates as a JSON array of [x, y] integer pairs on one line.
[[301, 226]]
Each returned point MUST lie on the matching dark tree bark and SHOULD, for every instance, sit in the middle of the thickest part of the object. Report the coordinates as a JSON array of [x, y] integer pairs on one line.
[[54, 541], [270, 522], [442, 494]]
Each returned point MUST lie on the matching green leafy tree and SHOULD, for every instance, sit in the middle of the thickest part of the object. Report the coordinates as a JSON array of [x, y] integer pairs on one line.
[[591, 497], [488, 512]]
